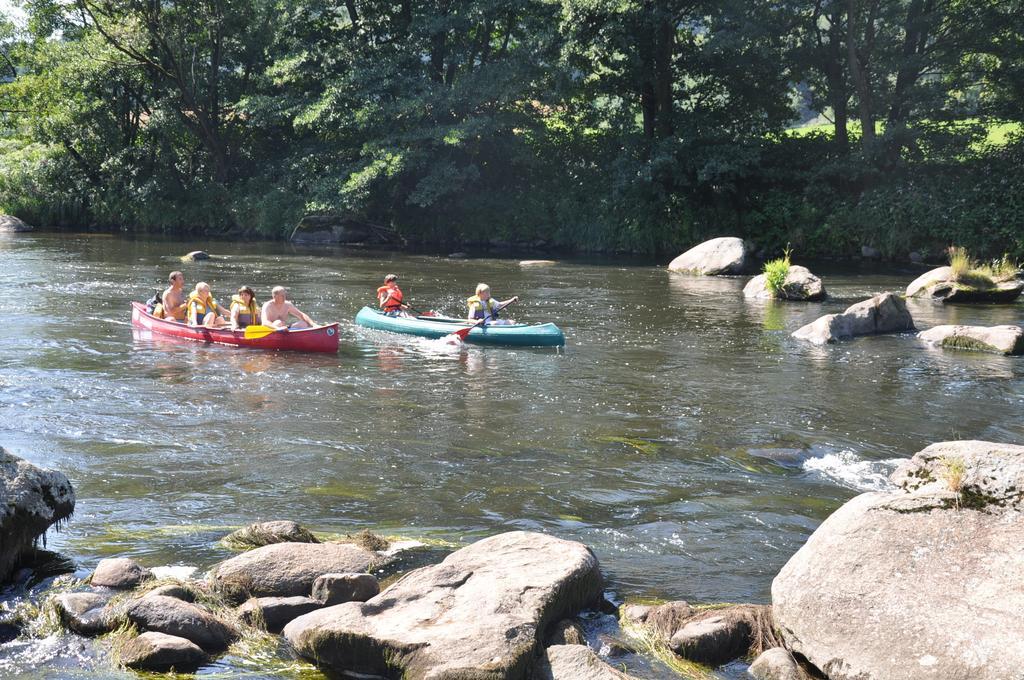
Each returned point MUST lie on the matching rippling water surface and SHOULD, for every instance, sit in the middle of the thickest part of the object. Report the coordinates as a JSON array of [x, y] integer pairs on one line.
[[681, 433]]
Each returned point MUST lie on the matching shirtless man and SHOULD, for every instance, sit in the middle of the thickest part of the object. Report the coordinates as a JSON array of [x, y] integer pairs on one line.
[[173, 298], [277, 310]]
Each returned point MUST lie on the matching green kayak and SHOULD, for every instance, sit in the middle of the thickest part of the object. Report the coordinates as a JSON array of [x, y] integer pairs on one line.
[[520, 334]]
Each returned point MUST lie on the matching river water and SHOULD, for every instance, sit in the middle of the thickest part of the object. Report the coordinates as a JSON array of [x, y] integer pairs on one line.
[[681, 433]]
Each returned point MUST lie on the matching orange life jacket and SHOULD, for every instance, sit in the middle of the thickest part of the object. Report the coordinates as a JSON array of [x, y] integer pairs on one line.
[[390, 298]]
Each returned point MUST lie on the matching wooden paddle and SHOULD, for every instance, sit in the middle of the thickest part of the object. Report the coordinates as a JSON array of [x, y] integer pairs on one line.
[[463, 332], [257, 331]]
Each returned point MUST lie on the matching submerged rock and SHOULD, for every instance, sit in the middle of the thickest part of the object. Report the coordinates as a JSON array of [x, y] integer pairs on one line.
[[286, 569], [331, 589], [921, 582], [885, 313], [195, 256], [10, 223], [266, 533], [31, 501], [800, 285], [479, 613], [175, 617], [86, 613], [120, 572], [159, 652], [537, 263], [273, 613], [938, 284], [575, 662], [726, 255], [998, 339]]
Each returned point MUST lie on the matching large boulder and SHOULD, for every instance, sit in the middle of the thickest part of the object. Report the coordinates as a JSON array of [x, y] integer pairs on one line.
[[31, 501], [266, 533], [939, 284], [172, 616], [575, 662], [11, 224], [286, 569], [726, 255], [885, 313], [800, 284], [477, 614], [997, 339], [923, 582], [159, 652]]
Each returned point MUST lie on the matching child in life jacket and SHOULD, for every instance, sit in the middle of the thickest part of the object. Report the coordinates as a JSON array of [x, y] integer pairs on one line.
[[483, 306], [390, 297]]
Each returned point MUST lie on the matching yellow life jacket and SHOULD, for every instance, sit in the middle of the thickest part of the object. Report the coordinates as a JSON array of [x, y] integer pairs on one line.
[[197, 308], [158, 310], [247, 313], [481, 309]]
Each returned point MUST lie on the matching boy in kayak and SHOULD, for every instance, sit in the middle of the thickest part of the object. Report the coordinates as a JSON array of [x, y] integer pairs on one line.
[[173, 299], [390, 297], [277, 310], [483, 306], [203, 309]]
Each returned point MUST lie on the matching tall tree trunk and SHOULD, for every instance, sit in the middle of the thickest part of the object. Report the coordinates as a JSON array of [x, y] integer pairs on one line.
[[915, 37], [665, 48], [858, 49]]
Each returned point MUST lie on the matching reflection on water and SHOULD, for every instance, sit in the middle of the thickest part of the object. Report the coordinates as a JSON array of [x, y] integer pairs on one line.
[[682, 433]]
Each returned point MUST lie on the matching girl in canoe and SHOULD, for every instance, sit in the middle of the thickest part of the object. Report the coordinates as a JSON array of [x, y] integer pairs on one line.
[[483, 306], [203, 309], [245, 311]]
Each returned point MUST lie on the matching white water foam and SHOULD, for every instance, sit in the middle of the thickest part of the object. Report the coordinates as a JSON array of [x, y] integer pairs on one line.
[[847, 469]]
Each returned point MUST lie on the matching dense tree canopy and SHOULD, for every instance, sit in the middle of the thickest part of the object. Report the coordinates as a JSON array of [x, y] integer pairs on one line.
[[637, 125]]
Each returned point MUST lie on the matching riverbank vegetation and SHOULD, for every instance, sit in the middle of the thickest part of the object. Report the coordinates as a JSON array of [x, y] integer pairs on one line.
[[637, 125]]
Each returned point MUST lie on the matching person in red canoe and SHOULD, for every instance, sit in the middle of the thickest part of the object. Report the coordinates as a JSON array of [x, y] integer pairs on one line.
[[245, 311], [483, 306], [203, 309], [390, 297], [172, 303], [277, 310]]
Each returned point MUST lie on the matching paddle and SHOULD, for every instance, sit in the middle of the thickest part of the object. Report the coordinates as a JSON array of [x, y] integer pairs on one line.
[[463, 332], [256, 331]]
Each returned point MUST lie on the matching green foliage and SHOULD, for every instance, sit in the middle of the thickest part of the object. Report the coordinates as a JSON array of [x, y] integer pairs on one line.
[[776, 271], [615, 125]]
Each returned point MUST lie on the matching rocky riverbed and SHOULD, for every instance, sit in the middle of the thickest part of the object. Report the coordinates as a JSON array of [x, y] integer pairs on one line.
[[919, 582]]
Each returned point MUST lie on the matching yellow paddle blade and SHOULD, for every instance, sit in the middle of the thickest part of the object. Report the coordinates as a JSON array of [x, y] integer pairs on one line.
[[252, 332]]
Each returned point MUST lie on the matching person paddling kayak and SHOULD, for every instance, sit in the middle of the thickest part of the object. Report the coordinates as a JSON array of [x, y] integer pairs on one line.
[[483, 306], [389, 296]]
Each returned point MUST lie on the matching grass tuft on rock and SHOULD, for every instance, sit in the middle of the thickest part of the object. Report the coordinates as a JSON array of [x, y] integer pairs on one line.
[[368, 540], [648, 642], [776, 271], [967, 271]]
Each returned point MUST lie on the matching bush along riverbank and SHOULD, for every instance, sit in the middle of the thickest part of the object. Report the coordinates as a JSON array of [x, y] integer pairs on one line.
[[915, 582]]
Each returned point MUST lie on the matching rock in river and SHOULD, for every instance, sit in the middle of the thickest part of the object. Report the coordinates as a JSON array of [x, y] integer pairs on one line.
[[86, 613], [777, 663], [31, 501], [800, 284], [923, 582], [726, 255], [939, 284], [195, 256], [331, 589], [286, 569], [885, 313], [175, 617], [477, 614], [265, 533], [119, 572], [997, 339], [10, 223], [159, 652], [575, 662], [272, 613]]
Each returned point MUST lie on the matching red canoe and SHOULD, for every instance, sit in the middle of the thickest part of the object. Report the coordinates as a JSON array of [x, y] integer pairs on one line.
[[319, 339]]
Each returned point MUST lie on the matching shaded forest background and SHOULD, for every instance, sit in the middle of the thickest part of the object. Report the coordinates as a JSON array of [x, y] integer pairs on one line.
[[612, 125]]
